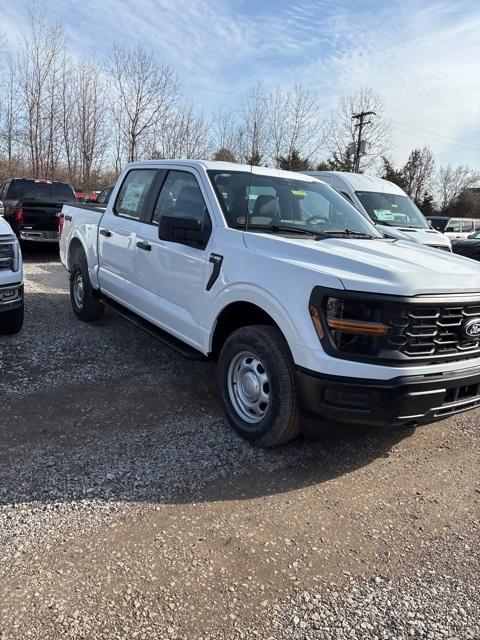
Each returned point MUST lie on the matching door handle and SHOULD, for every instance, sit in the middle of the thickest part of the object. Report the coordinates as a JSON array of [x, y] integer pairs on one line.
[[106, 233], [144, 245]]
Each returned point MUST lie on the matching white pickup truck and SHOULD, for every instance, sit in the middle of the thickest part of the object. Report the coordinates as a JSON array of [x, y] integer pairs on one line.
[[11, 281], [312, 314]]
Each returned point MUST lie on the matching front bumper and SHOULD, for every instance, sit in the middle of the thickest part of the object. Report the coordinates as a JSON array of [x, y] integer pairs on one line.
[[402, 401], [38, 236], [11, 297]]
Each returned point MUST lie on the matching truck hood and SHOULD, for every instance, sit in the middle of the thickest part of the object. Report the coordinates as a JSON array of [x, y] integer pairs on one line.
[[396, 267], [5, 228], [421, 236]]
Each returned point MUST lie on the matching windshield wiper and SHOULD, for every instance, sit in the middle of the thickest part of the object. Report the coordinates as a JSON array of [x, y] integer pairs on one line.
[[344, 233], [277, 228]]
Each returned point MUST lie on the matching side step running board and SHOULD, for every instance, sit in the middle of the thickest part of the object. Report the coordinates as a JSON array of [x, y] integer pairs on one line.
[[177, 345]]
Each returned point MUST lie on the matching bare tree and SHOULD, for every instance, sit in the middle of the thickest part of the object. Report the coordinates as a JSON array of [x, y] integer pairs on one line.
[[254, 127], [226, 135], [145, 92], [182, 134], [67, 97], [38, 70], [11, 114], [418, 173], [90, 120], [452, 182], [294, 127], [339, 129]]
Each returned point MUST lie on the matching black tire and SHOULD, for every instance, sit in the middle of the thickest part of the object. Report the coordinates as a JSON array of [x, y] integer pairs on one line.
[[11, 321], [280, 421], [88, 307]]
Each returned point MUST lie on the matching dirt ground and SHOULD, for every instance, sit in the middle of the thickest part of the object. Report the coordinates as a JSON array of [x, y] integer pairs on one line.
[[129, 509]]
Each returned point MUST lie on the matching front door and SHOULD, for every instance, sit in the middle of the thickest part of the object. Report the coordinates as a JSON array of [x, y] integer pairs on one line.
[[171, 274]]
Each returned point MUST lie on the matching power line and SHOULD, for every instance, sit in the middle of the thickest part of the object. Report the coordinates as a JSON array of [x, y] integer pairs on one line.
[[435, 135]]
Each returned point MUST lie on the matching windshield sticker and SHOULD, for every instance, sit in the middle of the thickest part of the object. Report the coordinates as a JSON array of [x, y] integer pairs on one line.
[[299, 194], [383, 214]]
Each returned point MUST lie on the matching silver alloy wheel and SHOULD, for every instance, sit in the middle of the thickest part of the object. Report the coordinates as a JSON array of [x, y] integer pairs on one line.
[[78, 290], [248, 387]]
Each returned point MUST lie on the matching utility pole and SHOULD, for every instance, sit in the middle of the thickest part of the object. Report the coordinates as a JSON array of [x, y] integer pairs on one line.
[[360, 117]]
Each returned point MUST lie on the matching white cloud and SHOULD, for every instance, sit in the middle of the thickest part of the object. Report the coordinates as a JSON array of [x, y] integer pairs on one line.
[[422, 56]]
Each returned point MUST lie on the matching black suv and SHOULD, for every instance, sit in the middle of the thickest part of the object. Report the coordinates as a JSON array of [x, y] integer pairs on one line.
[[31, 207]]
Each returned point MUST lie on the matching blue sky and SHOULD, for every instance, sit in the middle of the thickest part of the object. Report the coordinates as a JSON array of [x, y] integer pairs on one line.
[[422, 56]]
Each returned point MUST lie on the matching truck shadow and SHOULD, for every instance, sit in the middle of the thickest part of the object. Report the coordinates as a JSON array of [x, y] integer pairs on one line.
[[104, 412], [40, 252]]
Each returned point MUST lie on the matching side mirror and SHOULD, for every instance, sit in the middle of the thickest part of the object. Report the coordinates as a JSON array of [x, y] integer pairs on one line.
[[449, 230], [184, 230]]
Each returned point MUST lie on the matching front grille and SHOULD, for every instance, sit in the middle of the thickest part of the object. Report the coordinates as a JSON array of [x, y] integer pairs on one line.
[[7, 253], [422, 332]]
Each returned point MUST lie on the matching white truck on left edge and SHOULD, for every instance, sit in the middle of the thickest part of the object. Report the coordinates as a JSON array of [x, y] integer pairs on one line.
[[312, 314], [11, 281]]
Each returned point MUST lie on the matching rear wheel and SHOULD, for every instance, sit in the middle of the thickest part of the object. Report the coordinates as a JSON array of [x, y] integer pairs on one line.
[[256, 380], [11, 321], [83, 296]]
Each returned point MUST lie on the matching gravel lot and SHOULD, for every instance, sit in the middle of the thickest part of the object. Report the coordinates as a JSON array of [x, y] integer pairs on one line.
[[129, 509]]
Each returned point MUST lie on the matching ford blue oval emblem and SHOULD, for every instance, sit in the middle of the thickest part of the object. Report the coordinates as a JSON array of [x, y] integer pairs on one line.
[[472, 328]]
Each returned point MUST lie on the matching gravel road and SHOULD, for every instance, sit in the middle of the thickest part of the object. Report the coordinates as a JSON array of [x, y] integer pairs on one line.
[[129, 509]]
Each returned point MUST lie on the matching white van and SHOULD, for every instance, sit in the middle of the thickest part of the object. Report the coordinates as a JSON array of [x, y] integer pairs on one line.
[[455, 228], [387, 205]]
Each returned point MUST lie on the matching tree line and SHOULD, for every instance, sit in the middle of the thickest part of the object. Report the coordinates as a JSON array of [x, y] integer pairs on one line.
[[81, 121]]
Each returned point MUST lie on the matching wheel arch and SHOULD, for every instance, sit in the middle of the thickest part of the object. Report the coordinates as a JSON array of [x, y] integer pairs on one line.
[[242, 313]]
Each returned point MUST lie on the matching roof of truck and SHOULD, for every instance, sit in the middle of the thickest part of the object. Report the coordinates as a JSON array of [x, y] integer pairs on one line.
[[226, 166], [360, 181]]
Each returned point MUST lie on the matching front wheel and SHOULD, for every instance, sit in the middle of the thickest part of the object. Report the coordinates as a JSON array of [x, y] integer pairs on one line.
[[257, 384]]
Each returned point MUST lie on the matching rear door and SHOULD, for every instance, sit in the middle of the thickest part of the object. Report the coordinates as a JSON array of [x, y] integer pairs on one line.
[[172, 275], [118, 234]]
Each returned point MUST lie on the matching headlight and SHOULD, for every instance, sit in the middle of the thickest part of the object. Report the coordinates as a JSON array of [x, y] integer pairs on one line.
[[351, 326], [355, 326]]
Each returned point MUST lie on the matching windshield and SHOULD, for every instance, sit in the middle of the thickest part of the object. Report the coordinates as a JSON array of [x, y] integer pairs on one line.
[[264, 202], [392, 210], [439, 224]]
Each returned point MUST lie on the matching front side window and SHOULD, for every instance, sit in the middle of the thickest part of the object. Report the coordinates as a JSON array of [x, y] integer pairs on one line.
[[133, 191], [180, 197], [392, 210], [261, 202]]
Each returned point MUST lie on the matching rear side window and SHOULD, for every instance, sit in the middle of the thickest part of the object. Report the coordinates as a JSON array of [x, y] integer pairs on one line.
[[132, 194], [467, 226], [39, 190]]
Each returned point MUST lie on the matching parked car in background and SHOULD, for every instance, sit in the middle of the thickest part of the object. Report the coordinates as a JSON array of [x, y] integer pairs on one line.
[[468, 247], [11, 281], [104, 196], [31, 207], [308, 309], [454, 228], [388, 206]]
